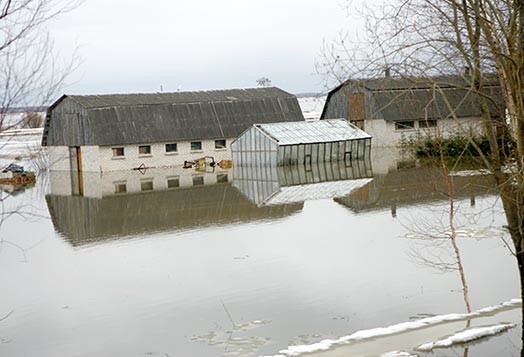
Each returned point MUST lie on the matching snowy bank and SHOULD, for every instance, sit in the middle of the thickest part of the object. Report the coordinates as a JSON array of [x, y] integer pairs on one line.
[[397, 329], [467, 335]]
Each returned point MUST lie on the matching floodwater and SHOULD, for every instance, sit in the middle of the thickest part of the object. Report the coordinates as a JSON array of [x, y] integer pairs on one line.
[[172, 262]]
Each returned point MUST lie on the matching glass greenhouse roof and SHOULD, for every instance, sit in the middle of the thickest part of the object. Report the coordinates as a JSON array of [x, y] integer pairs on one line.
[[315, 131]]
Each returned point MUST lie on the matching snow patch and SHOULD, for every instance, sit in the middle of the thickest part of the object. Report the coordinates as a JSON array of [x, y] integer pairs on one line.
[[397, 354], [467, 173], [394, 329], [467, 335], [312, 106]]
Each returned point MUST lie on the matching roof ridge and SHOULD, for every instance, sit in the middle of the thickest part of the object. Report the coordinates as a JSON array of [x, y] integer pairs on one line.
[[93, 101]]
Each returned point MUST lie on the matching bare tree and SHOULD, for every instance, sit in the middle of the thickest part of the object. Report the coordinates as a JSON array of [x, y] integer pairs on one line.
[[30, 71], [480, 39], [30, 75], [264, 82], [32, 120]]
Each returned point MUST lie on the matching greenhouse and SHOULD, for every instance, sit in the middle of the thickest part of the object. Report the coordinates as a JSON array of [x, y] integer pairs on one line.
[[301, 143]]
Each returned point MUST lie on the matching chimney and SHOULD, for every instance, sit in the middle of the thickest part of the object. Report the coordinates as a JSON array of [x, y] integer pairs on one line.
[[387, 72]]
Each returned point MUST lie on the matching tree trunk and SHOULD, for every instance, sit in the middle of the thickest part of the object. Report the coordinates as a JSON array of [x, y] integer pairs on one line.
[[513, 209]]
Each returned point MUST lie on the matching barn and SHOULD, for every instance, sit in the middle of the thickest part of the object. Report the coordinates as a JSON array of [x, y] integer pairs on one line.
[[395, 109], [96, 133]]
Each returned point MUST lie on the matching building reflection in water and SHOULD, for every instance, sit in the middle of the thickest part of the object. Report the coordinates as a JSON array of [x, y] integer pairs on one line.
[[99, 207], [273, 185], [400, 183]]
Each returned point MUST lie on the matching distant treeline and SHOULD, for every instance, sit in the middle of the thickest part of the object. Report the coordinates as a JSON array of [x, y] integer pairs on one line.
[[24, 109]]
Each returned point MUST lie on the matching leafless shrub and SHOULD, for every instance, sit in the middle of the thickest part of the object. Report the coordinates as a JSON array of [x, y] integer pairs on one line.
[[32, 120]]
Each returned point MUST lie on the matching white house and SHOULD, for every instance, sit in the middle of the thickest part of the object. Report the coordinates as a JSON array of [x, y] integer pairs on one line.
[[98, 133]]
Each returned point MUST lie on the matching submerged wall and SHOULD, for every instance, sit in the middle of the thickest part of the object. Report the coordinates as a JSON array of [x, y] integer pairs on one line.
[[385, 134], [102, 159], [254, 148], [306, 154]]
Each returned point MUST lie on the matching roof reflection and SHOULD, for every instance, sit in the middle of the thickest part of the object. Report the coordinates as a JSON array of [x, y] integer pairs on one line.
[[129, 204], [274, 185], [415, 185]]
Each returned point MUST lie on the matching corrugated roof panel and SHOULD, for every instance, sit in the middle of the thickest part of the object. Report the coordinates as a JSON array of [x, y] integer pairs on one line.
[[307, 132], [413, 82], [145, 118], [132, 99], [420, 104]]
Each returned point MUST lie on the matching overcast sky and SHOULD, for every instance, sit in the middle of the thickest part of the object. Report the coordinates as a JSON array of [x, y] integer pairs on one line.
[[137, 46]]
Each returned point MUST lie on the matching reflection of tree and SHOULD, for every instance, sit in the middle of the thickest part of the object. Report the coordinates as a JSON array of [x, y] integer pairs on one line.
[[436, 238], [30, 75], [483, 41], [14, 207], [442, 239]]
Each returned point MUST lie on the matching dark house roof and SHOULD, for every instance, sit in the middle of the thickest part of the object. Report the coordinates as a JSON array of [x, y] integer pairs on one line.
[[411, 98], [76, 120]]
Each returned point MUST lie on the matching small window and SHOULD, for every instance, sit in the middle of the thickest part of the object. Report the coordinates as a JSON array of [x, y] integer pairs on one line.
[[220, 144], [196, 145], [171, 147], [427, 123], [198, 180], [144, 150], [118, 152], [120, 187], [404, 125], [146, 185], [173, 182], [221, 178]]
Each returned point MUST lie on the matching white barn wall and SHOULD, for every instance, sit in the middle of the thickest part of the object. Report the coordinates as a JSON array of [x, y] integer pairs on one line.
[[158, 157], [60, 182], [90, 158], [58, 158], [385, 135], [100, 159]]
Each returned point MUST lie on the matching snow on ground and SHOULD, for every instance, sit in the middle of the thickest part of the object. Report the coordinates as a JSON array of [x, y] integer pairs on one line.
[[16, 119], [398, 329], [397, 354], [467, 335], [312, 106], [19, 145], [466, 233], [466, 173]]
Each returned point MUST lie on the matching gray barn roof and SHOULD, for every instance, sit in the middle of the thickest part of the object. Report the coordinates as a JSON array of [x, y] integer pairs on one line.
[[431, 104], [413, 82], [76, 120], [408, 98]]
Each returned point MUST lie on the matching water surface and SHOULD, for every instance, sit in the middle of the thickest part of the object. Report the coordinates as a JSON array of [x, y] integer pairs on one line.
[[207, 268]]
